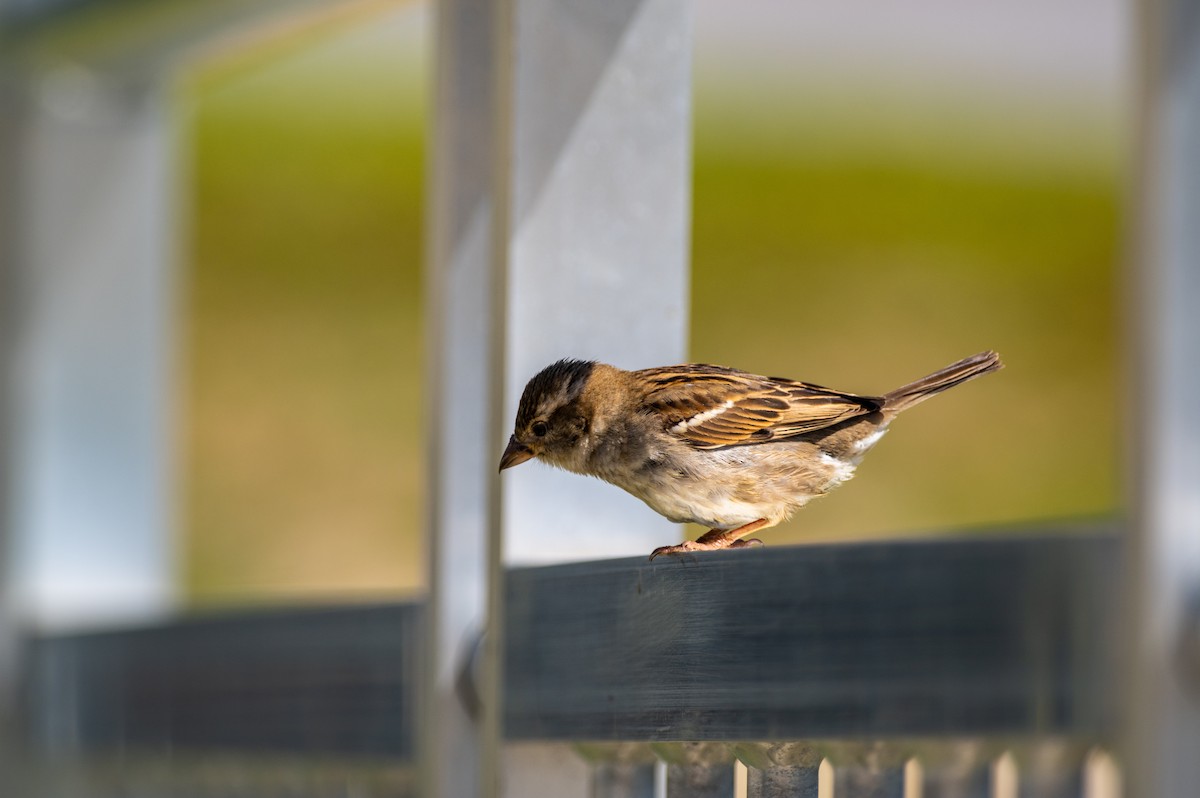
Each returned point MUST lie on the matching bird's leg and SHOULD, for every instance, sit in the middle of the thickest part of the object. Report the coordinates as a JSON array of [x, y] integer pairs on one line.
[[716, 539], [731, 538]]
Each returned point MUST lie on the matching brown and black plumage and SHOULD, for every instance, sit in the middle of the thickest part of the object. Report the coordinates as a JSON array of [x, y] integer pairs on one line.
[[734, 451]]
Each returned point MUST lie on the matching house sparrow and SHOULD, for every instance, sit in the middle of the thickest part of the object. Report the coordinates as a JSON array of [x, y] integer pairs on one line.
[[710, 445]]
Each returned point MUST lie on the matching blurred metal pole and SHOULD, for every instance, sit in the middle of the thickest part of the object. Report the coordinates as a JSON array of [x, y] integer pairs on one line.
[[462, 469], [87, 313], [573, 119], [10, 756], [89, 147], [1163, 734], [89, 207]]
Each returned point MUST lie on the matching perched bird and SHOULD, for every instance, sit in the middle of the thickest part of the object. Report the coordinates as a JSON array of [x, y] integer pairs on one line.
[[710, 445]]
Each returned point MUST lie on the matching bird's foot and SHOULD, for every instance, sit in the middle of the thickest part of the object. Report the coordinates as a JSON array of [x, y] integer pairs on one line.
[[682, 548], [746, 544], [688, 546]]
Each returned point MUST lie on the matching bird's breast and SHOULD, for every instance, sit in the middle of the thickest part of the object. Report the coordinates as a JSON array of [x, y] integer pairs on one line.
[[725, 488]]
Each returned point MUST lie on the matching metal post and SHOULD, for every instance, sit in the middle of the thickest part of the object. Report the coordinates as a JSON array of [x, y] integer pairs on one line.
[[9, 635], [560, 203], [88, 341], [460, 286], [87, 309], [1164, 700]]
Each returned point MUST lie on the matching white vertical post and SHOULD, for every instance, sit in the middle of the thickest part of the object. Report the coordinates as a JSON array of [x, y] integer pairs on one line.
[[560, 196], [1164, 702], [87, 312], [460, 288], [9, 654], [88, 339]]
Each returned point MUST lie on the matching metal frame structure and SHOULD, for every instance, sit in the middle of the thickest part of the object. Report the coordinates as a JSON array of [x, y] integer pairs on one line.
[[562, 202], [1163, 624], [90, 141], [560, 196], [887, 653]]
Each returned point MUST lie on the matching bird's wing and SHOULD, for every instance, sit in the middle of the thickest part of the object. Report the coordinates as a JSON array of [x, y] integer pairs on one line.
[[712, 406]]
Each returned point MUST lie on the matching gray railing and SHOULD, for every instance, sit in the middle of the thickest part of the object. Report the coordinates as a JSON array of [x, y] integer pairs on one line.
[[983, 665], [868, 657]]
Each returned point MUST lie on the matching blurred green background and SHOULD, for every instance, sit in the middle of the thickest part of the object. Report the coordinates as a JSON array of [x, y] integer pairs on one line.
[[846, 232]]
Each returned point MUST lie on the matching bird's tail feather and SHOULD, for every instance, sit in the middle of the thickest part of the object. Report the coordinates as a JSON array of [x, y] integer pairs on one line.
[[954, 374]]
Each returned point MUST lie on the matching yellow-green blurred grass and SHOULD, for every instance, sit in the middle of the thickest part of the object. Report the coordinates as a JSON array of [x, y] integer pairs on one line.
[[834, 259], [865, 266], [302, 429]]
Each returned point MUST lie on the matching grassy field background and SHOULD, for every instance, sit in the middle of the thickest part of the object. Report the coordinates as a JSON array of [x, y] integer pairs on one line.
[[849, 238]]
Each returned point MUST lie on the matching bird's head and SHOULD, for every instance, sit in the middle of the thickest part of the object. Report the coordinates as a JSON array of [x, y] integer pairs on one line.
[[554, 417]]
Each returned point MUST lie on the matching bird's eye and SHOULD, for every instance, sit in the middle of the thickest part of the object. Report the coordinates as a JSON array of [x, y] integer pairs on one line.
[[540, 429]]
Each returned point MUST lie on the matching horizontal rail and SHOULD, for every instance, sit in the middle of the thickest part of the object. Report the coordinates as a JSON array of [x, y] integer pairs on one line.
[[966, 637], [933, 637], [331, 681]]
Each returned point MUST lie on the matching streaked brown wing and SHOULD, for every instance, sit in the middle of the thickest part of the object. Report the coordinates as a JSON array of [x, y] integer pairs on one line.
[[713, 406]]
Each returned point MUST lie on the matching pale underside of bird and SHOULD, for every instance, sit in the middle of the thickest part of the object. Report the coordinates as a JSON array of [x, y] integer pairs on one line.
[[733, 451]]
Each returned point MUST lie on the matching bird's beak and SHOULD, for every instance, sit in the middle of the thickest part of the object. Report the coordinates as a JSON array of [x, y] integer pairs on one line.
[[515, 454]]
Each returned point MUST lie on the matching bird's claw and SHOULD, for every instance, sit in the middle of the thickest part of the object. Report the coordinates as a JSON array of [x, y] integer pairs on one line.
[[680, 548], [689, 546]]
